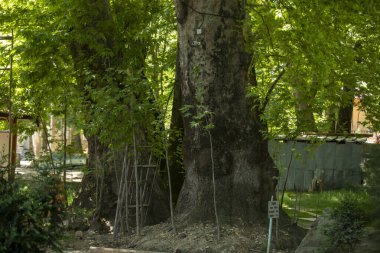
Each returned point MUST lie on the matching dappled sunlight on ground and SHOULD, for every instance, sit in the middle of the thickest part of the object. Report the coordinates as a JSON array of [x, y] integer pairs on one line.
[[28, 173]]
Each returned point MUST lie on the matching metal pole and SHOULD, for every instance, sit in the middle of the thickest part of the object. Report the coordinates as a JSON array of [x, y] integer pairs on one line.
[[277, 220], [270, 232]]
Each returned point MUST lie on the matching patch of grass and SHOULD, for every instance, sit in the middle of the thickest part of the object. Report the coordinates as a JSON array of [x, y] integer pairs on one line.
[[313, 204]]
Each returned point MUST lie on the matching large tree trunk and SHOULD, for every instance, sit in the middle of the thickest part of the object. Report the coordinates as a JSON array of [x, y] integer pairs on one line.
[[341, 117], [345, 112], [213, 74], [86, 58], [344, 119], [304, 112], [304, 94], [104, 167]]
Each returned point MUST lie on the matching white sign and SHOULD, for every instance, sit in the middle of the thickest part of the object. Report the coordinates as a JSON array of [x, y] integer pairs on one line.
[[273, 209]]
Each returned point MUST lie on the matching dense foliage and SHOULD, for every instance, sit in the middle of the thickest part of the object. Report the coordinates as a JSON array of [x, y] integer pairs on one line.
[[28, 219], [348, 220], [108, 66], [371, 170], [311, 58], [90, 58]]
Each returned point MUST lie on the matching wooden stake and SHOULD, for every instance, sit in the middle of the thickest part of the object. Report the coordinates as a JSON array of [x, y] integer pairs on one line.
[[170, 189], [137, 185]]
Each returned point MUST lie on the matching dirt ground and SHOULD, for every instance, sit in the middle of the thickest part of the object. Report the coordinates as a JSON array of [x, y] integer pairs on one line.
[[196, 238], [187, 239], [202, 238]]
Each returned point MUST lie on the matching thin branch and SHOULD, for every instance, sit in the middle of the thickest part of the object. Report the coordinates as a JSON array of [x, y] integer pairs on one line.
[[272, 86], [213, 180], [266, 26], [287, 175], [65, 149], [213, 184]]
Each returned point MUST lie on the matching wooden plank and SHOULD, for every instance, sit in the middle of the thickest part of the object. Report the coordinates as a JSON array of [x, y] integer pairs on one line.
[[147, 166], [113, 250], [144, 205]]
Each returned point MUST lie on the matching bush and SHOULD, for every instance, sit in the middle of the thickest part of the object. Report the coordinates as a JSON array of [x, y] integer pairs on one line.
[[348, 221], [371, 170], [24, 224]]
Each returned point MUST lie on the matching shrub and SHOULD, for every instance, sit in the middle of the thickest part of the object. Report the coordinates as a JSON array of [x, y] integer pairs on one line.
[[24, 225], [348, 220], [371, 170]]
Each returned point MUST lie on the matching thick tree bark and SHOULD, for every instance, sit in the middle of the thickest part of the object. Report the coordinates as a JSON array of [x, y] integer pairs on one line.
[[213, 74], [97, 187]]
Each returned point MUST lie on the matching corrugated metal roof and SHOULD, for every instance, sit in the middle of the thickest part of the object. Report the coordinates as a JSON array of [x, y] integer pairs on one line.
[[326, 138]]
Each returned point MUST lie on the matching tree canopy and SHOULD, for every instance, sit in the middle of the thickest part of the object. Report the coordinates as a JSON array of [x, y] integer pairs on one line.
[[90, 52], [310, 59], [324, 53]]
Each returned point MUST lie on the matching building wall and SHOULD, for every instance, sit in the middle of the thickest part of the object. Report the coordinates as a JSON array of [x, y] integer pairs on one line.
[[4, 150], [358, 118]]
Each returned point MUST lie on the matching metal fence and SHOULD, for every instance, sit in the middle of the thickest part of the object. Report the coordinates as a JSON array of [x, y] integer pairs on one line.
[[305, 165]]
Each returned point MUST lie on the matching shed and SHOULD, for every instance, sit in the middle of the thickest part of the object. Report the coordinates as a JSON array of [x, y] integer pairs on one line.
[[331, 161]]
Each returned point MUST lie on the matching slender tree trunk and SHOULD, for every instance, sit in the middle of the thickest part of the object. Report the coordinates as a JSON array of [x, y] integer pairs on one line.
[[213, 69], [65, 150], [170, 190], [175, 138], [76, 142]]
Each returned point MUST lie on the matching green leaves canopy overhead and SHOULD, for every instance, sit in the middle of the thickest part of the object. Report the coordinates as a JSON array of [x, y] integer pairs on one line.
[[94, 56], [328, 52]]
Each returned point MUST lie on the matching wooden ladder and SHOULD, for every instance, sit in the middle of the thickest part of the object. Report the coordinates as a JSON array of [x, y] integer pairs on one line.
[[131, 210]]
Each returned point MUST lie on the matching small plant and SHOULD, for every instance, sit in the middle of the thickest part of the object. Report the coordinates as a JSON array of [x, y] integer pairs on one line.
[[347, 225]]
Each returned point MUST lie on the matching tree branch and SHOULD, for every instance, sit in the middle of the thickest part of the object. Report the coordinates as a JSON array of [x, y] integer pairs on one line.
[[272, 86], [266, 26]]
